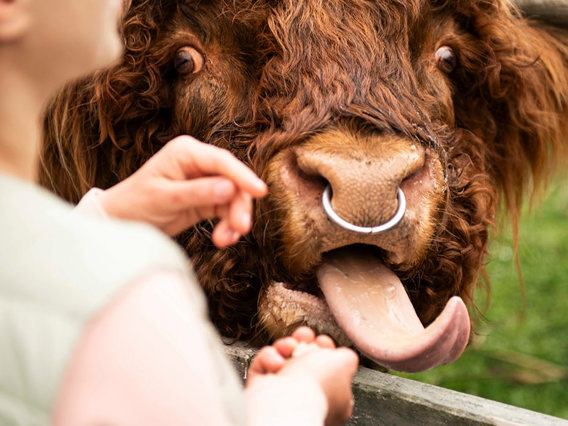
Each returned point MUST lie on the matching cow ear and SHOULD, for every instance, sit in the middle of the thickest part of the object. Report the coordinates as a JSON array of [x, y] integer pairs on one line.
[[514, 95]]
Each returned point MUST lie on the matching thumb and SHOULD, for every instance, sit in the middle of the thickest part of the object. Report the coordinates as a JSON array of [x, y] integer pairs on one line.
[[201, 192], [349, 359]]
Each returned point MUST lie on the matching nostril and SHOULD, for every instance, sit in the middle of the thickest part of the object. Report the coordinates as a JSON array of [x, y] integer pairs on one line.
[[302, 184], [415, 175], [312, 177], [307, 173], [422, 178], [367, 188]]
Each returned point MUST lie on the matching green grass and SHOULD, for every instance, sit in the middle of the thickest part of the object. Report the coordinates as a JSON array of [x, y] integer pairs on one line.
[[519, 355]]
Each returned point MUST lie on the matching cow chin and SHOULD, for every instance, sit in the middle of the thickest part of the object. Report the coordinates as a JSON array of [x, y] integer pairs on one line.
[[282, 309]]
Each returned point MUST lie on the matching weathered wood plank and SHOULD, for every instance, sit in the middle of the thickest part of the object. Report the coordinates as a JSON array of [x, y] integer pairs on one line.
[[552, 11], [384, 399]]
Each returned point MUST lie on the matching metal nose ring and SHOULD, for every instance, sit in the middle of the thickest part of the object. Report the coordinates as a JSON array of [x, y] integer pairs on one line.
[[326, 201]]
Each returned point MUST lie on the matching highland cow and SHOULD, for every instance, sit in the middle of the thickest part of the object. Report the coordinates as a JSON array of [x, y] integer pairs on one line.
[[408, 119]]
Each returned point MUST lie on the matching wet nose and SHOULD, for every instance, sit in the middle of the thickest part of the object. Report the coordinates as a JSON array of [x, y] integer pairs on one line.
[[363, 181]]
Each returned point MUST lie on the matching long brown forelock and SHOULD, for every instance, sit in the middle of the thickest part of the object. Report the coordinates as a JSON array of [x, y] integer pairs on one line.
[[339, 59]]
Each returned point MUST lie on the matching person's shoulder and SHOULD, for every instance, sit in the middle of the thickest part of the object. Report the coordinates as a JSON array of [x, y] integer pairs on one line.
[[129, 242], [80, 260], [31, 211]]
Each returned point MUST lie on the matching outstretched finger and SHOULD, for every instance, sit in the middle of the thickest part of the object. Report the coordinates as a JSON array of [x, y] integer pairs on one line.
[[304, 334], [201, 159], [200, 192], [324, 341], [286, 346], [349, 358], [224, 235], [240, 214], [267, 360]]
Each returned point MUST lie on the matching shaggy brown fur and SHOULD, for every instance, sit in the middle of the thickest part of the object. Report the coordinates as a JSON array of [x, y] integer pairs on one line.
[[279, 73]]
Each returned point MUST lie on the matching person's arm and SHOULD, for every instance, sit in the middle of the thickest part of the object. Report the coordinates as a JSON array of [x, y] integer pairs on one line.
[[278, 400], [143, 360], [90, 204], [301, 380]]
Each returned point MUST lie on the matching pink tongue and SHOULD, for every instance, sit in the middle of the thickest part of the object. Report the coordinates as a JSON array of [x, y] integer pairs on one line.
[[370, 304]]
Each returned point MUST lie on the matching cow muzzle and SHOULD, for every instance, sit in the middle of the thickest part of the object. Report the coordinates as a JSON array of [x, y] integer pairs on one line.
[[381, 200]]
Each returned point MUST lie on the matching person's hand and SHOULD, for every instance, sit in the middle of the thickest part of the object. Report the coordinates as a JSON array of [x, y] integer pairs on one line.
[[186, 182], [271, 359], [305, 359]]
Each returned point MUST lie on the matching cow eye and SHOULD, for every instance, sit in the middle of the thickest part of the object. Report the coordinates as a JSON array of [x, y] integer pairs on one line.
[[188, 61], [446, 59]]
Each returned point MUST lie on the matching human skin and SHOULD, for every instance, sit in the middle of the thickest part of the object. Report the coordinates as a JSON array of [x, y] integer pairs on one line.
[[186, 182], [40, 49], [290, 355]]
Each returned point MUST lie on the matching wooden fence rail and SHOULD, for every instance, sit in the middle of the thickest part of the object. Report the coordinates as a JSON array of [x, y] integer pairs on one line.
[[387, 400], [553, 11]]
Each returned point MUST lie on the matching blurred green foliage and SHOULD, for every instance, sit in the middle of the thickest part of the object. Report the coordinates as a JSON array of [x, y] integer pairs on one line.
[[519, 353]]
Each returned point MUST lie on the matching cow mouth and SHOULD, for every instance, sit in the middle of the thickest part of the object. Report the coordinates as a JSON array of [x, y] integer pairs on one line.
[[359, 301]]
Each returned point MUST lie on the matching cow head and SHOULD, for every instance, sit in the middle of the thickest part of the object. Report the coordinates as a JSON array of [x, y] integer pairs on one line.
[[417, 113]]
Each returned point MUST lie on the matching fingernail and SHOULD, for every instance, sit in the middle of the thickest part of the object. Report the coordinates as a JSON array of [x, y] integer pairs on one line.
[[223, 189], [233, 235], [276, 359], [261, 186]]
